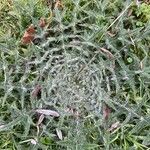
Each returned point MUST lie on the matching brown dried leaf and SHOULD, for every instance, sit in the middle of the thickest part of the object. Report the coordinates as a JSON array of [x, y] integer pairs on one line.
[[33, 141], [41, 118], [2, 126], [31, 29], [72, 111], [59, 134], [110, 55], [141, 65], [130, 12], [48, 112], [36, 91], [58, 4], [42, 22], [106, 112], [28, 35], [111, 34], [114, 126], [69, 110], [27, 38]]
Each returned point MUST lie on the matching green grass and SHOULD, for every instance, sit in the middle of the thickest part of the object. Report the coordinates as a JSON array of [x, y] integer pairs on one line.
[[94, 61]]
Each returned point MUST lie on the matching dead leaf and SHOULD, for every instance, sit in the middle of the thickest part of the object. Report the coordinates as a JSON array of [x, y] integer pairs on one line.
[[2, 126], [28, 35], [111, 34], [58, 4], [33, 141], [110, 55], [141, 65], [72, 111], [42, 22], [59, 134], [106, 112], [69, 110], [36, 91], [31, 29], [27, 38], [114, 126], [130, 12], [41, 118], [48, 112]]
